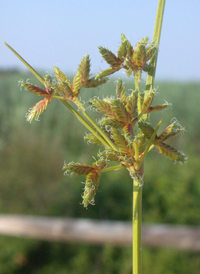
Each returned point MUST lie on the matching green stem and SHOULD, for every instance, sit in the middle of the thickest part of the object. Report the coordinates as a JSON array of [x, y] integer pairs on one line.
[[137, 226], [156, 39], [137, 185]]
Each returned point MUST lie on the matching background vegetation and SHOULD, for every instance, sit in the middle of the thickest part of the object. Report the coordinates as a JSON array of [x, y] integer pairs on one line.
[[32, 182]]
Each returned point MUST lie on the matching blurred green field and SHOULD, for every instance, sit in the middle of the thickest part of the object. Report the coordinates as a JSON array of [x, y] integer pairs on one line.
[[32, 182]]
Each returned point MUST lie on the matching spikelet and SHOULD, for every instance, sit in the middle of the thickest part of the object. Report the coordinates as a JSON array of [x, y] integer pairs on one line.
[[171, 152], [109, 155], [151, 50], [102, 106], [131, 105], [148, 99], [91, 187], [34, 89], [146, 129], [157, 108], [139, 54], [121, 141], [67, 91], [59, 75], [120, 90], [128, 131], [76, 168], [113, 122], [38, 109], [171, 131], [107, 72], [90, 138], [84, 68], [109, 57], [129, 52], [122, 51], [76, 84], [120, 110], [56, 88], [95, 82]]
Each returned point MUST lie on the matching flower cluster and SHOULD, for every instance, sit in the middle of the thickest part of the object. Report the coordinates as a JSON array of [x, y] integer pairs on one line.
[[123, 132]]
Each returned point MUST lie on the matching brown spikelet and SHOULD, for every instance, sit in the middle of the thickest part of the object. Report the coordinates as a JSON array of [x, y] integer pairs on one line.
[[102, 106], [109, 57], [59, 75], [171, 153], [76, 84], [84, 68], [34, 89], [38, 109], [76, 168], [91, 187], [120, 110]]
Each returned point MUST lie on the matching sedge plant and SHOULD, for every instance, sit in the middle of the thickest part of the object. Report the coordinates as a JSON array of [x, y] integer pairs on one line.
[[124, 131]]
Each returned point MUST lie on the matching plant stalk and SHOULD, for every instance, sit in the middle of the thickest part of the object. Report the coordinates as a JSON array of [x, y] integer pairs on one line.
[[156, 39], [137, 226], [137, 184]]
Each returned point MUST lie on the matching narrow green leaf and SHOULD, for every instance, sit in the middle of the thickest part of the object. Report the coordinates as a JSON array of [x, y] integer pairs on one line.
[[37, 75]]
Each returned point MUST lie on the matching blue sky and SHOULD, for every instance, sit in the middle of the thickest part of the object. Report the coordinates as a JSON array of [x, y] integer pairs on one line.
[[59, 33]]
